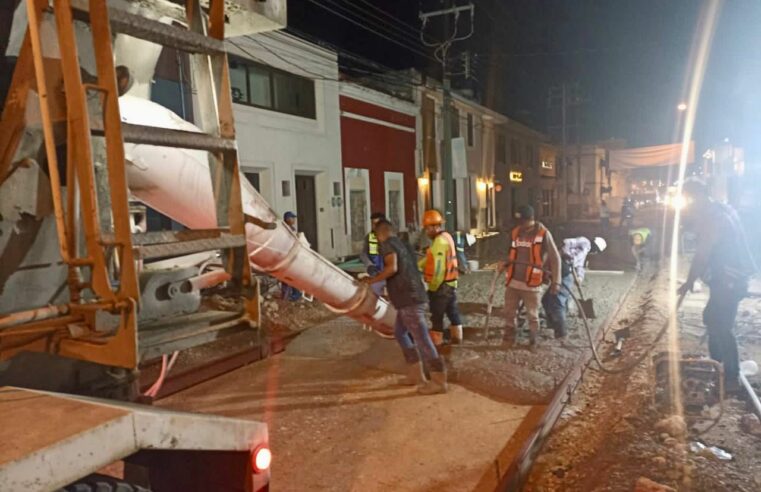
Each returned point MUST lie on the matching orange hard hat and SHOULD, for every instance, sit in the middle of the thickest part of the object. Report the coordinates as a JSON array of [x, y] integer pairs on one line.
[[432, 217]]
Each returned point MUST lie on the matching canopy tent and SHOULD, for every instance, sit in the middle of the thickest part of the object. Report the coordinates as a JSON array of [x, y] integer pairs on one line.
[[655, 156]]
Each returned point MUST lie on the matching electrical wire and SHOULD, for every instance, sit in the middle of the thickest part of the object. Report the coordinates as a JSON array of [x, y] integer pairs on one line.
[[380, 34], [384, 23]]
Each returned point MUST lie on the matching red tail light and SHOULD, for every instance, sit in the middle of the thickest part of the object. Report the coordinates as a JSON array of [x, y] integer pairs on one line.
[[261, 459]]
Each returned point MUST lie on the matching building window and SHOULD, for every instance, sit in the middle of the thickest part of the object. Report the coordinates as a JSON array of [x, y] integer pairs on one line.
[[515, 151], [501, 150], [266, 87], [530, 155], [471, 136], [547, 203]]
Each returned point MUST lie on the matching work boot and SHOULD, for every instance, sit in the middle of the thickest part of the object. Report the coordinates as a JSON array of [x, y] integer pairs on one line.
[[532, 338], [437, 337], [436, 385], [415, 375], [456, 333]]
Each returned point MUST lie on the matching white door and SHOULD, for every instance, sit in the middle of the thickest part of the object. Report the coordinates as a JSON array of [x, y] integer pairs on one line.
[[394, 186], [357, 183]]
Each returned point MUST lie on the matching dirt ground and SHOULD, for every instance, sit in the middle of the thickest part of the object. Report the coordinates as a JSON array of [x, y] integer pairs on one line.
[[335, 408], [609, 437]]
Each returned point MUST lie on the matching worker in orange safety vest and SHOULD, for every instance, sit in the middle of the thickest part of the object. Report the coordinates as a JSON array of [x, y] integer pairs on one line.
[[531, 246], [440, 273]]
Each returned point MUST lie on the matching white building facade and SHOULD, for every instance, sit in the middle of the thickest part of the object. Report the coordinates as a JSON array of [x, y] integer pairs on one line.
[[286, 96]]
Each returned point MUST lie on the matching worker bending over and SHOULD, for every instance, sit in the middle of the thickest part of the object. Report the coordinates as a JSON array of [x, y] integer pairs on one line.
[[724, 261], [440, 273], [640, 241], [408, 296], [370, 256], [530, 248], [573, 252]]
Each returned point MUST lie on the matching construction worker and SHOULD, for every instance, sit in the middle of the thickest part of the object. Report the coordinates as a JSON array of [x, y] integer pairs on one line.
[[370, 256], [440, 273], [724, 261], [461, 240], [640, 241], [407, 294], [531, 248], [574, 253], [289, 293]]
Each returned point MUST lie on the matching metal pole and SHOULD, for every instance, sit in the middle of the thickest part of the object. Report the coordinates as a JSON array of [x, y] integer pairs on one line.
[[449, 213], [563, 161]]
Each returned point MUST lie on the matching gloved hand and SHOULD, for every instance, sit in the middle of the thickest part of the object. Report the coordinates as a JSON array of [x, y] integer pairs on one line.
[[372, 270], [685, 288]]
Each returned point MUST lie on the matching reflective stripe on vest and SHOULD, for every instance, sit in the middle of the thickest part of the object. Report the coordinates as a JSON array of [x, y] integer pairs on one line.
[[372, 244], [534, 272], [451, 261], [459, 243]]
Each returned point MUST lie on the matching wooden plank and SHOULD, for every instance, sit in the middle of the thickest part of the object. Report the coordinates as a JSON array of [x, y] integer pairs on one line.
[[34, 421]]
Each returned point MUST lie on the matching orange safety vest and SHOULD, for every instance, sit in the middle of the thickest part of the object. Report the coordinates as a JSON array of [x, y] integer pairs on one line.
[[451, 264], [534, 272]]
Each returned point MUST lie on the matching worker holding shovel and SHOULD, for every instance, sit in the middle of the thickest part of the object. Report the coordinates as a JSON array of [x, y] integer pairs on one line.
[[530, 248], [573, 252]]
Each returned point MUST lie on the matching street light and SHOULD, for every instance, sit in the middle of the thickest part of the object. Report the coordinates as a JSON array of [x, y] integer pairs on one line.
[[682, 107]]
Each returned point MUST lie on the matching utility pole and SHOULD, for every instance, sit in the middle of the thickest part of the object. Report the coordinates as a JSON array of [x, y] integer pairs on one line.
[[441, 53], [564, 98]]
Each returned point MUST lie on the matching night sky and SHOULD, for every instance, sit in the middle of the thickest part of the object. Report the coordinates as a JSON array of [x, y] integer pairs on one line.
[[629, 59]]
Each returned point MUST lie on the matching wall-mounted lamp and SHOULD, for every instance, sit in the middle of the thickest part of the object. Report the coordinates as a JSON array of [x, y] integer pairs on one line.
[[423, 182]]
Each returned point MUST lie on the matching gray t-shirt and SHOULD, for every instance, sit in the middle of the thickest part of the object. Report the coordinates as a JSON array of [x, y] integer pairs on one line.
[[405, 287]]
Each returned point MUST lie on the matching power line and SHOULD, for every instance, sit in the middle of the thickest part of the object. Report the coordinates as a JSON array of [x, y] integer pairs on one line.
[[412, 28], [359, 24], [409, 33]]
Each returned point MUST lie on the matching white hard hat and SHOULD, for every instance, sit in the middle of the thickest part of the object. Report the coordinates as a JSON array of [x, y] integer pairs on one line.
[[601, 243]]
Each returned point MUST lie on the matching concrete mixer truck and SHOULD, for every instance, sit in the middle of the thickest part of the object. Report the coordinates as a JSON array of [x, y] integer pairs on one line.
[[85, 294]]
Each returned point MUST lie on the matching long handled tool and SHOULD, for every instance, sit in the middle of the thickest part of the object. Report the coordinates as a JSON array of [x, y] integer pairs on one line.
[[490, 302], [586, 304]]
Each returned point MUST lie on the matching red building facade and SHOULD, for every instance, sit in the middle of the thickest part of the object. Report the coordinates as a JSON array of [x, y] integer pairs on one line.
[[378, 148]]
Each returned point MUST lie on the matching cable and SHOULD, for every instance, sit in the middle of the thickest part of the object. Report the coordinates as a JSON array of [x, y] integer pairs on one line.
[[384, 23], [391, 16], [359, 24]]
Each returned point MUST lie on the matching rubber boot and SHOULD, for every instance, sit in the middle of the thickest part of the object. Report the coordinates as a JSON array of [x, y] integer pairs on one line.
[[437, 338], [456, 333], [437, 384], [415, 375]]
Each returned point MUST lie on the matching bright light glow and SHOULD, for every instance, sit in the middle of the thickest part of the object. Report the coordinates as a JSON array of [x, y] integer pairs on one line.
[[262, 459], [481, 185], [423, 182], [682, 107], [678, 202]]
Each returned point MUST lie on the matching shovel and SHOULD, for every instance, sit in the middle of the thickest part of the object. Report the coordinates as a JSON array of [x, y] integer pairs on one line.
[[586, 304]]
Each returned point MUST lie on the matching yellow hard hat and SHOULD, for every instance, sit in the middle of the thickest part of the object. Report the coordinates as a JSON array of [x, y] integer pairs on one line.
[[432, 217]]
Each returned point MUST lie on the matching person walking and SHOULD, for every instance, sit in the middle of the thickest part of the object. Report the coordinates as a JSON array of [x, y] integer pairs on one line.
[[531, 247], [574, 253], [461, 240], [604, 217], [408, 296], [440, 272], [370, 255], [627, 214], [723, 260]]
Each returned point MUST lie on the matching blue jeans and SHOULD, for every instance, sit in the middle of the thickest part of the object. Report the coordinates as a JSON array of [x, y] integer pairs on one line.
[[556, 306], [411, 331]]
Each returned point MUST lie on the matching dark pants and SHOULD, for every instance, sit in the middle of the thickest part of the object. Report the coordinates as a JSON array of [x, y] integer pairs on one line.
[[444, 302], [556, 307], [719, 318]]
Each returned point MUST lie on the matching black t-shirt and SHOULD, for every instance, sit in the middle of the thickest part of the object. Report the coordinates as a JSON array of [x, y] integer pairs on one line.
[[405, 287]]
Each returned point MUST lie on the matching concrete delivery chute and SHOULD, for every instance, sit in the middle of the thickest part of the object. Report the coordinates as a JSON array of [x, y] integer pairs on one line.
[[177, 183]]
